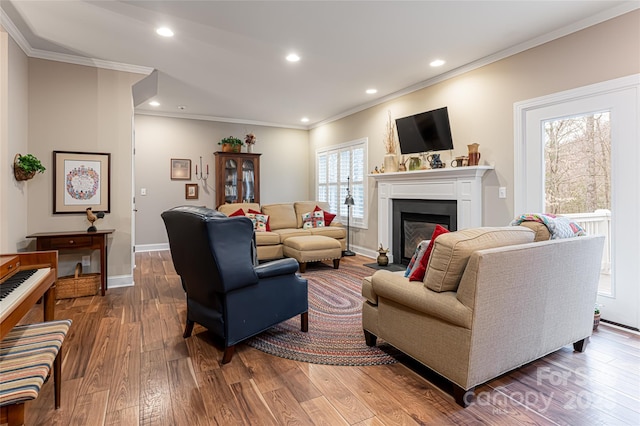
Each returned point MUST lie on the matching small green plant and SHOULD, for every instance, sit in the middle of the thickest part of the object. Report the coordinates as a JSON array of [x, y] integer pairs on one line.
[[596, 310], [30, 164], [231, 141]]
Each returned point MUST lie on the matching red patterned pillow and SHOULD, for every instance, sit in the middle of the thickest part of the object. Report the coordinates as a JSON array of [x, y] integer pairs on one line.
[[238, 212], [328, 217], [267, 216], [418, 273]]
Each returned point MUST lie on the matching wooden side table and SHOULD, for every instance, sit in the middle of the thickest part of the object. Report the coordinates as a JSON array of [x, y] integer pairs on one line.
[[77, 240]]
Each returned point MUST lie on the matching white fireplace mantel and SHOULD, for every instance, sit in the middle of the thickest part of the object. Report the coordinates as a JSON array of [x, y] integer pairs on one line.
[[463, 184]]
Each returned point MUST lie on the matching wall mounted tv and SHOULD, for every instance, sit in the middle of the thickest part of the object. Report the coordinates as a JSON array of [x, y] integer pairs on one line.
[[427, 131]]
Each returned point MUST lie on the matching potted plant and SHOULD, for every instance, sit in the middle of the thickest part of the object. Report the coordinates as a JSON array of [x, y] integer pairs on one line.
[[231, 144], [390, 146], [596, 316], [26, 166]]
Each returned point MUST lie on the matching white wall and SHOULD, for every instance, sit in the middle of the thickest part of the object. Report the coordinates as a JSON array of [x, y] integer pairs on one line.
[[481, 106], [14, 139], [283, 166]]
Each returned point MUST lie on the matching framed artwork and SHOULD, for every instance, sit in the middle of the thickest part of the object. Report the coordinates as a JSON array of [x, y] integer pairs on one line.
[[81, 180], [180, 169], [191, 191]]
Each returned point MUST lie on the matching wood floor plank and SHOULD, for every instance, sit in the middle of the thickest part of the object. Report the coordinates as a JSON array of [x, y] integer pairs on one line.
[[155, 395], [125, 382], [286, 408], [219, 401], [101, 362], [321, 412], [186, 400], [252, 405], [124, 417], [338, 394], [90, 409]]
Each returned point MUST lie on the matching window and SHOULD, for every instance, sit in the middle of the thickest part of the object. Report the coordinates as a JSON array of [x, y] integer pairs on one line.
[[336, 168]]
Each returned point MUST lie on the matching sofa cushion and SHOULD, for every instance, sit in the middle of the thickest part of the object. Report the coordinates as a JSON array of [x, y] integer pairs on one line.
[[302, 207], [282, 216], [238, 212], [451, 252], [337, 232], [291, 232], [227, 209], [542, 232], [267, 238]]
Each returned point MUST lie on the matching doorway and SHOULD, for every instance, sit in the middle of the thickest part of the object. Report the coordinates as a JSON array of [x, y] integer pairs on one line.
[[544, 182]]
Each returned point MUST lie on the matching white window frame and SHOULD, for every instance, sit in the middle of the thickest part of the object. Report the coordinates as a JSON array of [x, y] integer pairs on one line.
[[340, 184]]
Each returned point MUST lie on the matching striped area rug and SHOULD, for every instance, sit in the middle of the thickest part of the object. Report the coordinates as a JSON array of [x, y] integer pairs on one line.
[[335, 323]]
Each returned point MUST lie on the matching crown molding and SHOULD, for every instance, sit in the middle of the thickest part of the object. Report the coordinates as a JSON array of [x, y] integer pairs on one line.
[[626, 7], [219, 119]]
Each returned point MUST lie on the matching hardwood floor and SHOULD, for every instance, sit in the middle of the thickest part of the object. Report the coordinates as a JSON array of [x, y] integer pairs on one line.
[[126, 363]]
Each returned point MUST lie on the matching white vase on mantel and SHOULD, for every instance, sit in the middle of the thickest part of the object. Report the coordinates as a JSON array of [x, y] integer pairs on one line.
[[390, 163]]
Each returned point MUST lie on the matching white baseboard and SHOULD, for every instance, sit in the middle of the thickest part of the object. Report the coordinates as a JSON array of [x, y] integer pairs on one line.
[[151, 247], [120, 281], [364, 251]]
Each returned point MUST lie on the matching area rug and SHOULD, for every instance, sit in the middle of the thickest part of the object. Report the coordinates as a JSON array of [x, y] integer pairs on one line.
[[335, 323]]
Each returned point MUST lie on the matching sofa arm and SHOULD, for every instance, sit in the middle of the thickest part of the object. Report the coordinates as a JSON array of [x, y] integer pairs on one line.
[[414, 295], [276, 268]]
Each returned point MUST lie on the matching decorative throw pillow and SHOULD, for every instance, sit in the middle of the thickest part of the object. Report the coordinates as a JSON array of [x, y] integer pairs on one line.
[[417, 257], [313, 219], [418, 273], [259, 221], [328, 217], [268, 226], [238, 212]]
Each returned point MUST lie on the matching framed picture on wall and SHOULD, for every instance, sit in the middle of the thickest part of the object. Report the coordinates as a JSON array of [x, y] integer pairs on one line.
[[180, 169], [81, 180], [191, 191]]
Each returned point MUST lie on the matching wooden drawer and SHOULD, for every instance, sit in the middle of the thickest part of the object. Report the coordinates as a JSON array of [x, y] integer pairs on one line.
[[66, 242], [9, 264]]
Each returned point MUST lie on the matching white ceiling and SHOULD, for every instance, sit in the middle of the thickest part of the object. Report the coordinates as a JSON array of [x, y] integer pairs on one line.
[[226, 60]]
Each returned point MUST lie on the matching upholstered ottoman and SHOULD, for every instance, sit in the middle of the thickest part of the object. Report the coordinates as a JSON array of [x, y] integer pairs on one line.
[[313, 248]]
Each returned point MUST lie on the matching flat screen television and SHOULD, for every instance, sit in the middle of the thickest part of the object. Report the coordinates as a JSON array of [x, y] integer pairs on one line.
[[427, 131]]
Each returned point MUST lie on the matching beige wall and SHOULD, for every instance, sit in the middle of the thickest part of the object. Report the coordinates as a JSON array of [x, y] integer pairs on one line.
[[79, 108], [481, 106], [14, 133], [283, 166]]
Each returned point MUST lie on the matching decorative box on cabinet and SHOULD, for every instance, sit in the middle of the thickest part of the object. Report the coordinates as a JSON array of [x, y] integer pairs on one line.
[[237, 178]]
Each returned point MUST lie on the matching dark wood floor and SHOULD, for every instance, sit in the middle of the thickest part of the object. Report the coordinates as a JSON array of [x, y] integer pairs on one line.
[[126, 363]]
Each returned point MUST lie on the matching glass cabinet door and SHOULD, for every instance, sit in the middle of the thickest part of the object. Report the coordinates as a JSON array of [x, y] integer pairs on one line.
[[231, 181], [248, 182]]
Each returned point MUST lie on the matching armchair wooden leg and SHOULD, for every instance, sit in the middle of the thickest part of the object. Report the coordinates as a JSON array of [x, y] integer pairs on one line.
[[188, 328], [304, 321], [228, 354], [463, 397], [581, 345], [370, 338]]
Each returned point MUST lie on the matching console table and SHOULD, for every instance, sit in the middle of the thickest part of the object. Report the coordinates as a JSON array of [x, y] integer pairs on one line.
[[77, 240]]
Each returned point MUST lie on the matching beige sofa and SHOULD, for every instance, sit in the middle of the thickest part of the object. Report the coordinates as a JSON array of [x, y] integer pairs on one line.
[[285, 220], [491, 301]]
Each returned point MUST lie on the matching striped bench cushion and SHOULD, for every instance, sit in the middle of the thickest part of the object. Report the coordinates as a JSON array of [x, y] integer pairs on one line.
[[26, 356]]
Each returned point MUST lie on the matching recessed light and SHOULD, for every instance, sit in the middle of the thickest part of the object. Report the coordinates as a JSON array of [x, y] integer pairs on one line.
[[164, 32], [292, 57], [304, 119], [437, 63], [182, 107], [372, 91], [154, 103]]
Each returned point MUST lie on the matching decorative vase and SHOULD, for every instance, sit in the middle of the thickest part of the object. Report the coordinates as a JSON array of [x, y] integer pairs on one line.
[[474, 155], [390, 163], [250, 148], [596, 321]]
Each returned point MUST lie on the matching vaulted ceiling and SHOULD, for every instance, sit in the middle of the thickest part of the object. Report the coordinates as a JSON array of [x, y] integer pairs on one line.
[[226, 59]]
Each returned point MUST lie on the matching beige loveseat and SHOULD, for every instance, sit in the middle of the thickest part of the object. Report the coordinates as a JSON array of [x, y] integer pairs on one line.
[[285, 220], [491, 301]]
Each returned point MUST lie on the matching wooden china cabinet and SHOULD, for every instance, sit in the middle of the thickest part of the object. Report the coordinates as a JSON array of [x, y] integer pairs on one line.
[[237, 177]]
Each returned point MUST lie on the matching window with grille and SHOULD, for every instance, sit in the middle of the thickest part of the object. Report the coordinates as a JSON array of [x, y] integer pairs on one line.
[[337, 167]]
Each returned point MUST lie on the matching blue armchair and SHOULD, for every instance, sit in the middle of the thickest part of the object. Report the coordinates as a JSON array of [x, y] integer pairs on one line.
[[226, 292]]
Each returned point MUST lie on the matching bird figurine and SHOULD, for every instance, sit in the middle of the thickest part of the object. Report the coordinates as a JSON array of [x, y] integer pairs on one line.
[[91, 217]]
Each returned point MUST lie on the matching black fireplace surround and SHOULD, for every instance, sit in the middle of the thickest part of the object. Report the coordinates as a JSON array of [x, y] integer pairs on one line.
[[415, 220]]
